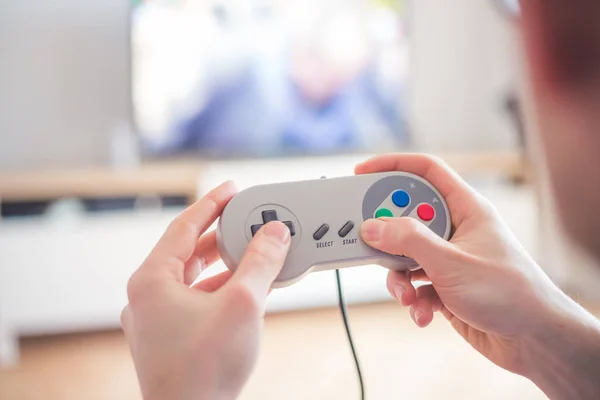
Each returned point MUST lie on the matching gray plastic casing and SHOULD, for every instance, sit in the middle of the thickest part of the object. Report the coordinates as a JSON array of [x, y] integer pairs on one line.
[[310, 204]]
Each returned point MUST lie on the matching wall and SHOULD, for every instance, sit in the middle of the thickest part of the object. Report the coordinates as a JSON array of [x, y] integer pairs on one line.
[[64, 69], [463, 62]]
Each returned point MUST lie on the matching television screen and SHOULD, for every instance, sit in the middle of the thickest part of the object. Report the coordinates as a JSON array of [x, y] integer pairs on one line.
[[269, 77]]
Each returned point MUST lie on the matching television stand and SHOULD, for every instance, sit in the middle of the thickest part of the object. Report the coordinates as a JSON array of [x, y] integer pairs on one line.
[[30, 193]]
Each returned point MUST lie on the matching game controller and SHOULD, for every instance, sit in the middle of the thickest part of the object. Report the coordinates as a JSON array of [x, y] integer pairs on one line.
[[324, 217]]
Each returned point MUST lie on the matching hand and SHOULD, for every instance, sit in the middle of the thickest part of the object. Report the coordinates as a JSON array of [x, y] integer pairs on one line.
[[482, 280], [200, 342]]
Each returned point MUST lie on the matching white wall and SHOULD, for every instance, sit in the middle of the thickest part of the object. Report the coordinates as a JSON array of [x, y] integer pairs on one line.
[[463, 62], [64, 80]]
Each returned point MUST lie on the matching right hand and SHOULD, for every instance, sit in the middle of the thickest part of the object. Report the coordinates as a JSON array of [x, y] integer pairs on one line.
[[482, 280]]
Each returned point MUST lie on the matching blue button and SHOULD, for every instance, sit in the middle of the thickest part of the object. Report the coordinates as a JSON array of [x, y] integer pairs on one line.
[[401, 198]]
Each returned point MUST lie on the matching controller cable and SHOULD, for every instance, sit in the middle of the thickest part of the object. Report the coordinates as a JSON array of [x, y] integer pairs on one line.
[[344, 312]]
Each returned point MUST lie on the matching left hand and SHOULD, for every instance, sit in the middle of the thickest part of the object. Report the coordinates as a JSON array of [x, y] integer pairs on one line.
[[200, 342]]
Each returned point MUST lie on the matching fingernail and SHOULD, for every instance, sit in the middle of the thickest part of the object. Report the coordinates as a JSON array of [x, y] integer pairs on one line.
[[371, 230], [225, 191], [277, 231], [399, 292], [231, 188], [418, 313]]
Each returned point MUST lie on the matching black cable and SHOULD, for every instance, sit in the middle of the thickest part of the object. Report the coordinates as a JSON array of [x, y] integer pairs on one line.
[[344, 312]]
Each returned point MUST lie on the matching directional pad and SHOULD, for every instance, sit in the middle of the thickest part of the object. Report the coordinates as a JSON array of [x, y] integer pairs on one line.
[[269, 216]]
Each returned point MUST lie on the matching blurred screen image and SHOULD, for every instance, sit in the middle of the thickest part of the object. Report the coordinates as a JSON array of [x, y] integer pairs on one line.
[[269, 78]]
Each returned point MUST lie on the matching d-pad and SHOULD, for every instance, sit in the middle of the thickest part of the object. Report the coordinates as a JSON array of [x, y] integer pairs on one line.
[[271, 215]]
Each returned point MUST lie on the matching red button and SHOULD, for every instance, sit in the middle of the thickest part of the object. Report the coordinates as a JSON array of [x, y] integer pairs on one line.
[[426, 212]]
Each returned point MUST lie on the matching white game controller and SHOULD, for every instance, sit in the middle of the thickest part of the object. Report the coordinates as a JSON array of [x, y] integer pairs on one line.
[[324, 217]]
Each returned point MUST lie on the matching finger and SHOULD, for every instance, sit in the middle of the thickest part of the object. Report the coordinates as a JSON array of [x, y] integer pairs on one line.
[[126, 322], [418, 276], [205, 255], [179, 241], [460, 197], [409, 237], [213, 283], [193, 268], [425, 305], [401, 288], [263, 261], [125, 316]]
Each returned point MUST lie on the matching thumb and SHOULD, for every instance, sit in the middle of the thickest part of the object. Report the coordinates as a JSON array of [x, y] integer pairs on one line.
[[263, 260], [409, 237]]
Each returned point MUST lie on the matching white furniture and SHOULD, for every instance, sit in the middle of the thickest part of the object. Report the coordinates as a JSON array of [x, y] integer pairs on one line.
[[68, 271]]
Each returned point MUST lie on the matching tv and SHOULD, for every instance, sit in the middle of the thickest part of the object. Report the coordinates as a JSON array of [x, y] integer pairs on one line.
[[269, 78]]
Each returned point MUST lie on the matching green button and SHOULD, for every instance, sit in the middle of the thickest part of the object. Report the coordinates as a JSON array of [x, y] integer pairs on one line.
[[383, 212]]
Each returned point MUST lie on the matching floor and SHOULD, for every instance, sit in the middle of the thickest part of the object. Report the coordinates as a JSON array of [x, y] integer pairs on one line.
[[305, 355]]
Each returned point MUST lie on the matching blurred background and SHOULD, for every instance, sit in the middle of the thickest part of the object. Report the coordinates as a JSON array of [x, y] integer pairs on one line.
[[116, 114]]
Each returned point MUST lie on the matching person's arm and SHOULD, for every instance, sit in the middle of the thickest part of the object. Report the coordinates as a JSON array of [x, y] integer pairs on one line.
[[563, 357]]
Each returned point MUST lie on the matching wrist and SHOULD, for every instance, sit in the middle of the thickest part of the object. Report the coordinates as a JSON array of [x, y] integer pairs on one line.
[[178, 388], [195, 394], [561, 354]]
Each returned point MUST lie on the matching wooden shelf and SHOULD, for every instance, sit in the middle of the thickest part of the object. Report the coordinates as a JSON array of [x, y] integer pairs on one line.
[[161, 179], [182, 178]]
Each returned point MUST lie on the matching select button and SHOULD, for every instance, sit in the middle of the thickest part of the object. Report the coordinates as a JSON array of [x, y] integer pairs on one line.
[[318, 235]]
